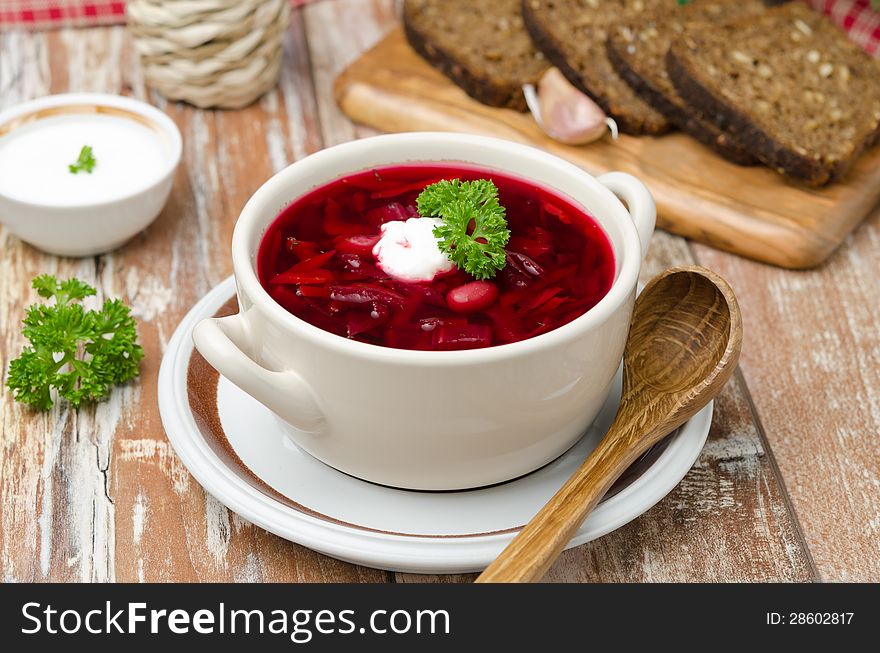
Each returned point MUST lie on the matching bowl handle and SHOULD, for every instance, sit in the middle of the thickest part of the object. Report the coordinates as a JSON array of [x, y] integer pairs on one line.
[[284, 393], [638, 201]]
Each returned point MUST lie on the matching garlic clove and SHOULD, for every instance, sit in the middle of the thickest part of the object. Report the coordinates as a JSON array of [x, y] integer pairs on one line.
[[564, 113]]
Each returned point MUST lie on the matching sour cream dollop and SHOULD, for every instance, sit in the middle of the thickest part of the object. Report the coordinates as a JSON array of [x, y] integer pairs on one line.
[[409, 251]]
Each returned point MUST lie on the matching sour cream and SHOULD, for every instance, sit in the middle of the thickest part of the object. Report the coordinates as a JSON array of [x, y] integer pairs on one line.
[[34, 159], [408, 250]]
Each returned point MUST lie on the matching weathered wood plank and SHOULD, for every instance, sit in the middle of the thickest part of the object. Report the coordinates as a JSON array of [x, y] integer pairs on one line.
[[727, 520], [812, 364], [100, 495], [338, 32], [228, 155], [57, 518]]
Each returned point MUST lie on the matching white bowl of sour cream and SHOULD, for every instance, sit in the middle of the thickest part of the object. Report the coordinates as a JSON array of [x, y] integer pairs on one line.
[[81, 173]]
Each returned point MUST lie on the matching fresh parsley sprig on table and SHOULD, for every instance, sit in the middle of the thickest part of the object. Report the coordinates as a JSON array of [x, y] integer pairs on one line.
[[476, 248], [86, 161], [80, 353]]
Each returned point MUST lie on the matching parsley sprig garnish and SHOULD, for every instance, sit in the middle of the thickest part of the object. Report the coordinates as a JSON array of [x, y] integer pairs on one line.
[[80, 353], [86, 161], [474, 230]]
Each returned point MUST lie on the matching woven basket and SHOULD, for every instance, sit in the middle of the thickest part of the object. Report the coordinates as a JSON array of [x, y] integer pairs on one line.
[[210, 53]]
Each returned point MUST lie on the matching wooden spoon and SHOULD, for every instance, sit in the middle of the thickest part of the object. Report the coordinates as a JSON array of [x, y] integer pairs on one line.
[[683, 345]]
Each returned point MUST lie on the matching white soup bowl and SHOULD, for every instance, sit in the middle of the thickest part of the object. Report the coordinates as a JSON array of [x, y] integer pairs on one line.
[[431, 420]]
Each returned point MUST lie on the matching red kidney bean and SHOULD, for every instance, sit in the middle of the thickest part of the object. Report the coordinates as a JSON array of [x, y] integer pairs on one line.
[[473, 296]]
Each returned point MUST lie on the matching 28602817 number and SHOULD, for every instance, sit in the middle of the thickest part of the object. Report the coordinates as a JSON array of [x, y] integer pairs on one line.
[[823, 618]]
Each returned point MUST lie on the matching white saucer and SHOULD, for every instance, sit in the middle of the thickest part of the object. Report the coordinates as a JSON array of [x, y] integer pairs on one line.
[[236, 450]]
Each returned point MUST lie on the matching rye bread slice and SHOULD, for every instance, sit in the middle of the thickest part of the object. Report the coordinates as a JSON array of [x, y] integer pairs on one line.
[[572, 34], [481, 45], [637, 50], [787, 84]]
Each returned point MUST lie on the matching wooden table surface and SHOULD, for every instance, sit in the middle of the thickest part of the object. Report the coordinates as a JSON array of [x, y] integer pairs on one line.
[[786, 489]]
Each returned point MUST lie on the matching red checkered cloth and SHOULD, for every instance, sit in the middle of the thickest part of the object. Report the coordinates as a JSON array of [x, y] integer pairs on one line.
[[861, 22], [41, 14], [46, 14]]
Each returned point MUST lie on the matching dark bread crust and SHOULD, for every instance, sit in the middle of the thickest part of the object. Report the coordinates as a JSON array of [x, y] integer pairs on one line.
[[703, 130], [484, 89], [775, 154], [787, 84], [626, 122]]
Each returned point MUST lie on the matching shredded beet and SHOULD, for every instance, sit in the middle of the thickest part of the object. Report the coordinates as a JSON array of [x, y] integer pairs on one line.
[[316, 261]]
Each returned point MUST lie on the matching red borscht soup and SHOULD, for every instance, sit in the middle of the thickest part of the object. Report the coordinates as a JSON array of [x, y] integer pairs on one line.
[[316, 260]]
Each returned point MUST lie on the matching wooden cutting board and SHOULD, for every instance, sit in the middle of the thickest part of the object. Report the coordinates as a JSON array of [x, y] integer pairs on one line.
[[750, 211]]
